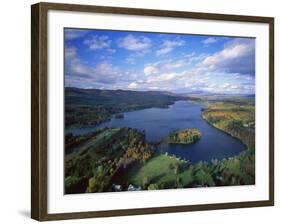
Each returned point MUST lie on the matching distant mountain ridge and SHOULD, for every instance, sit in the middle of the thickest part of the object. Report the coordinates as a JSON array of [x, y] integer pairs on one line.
[[104, 97], [153, 92], [203, 93]]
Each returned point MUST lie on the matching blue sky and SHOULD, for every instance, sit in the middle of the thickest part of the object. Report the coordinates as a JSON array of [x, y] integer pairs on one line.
[[141, 61]]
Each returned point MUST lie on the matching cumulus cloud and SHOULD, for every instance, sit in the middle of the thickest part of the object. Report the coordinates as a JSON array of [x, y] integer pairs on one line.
[[166, 65], [150, 69], [106, 73], [73, 64], [133, 85], [168, 46], [70, 34], [230, 69], [229, 88], [135, 43], [210, 40], [98, 42], [163, 77], [75, 68], [238, 56]]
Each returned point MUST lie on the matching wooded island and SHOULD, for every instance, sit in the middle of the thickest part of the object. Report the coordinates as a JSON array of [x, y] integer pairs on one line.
[[187, 136]]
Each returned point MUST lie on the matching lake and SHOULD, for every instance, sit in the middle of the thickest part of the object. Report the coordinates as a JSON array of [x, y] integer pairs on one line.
[[159, 122]]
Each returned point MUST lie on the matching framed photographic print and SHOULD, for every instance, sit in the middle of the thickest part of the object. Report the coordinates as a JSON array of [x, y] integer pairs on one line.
[[140, 111]]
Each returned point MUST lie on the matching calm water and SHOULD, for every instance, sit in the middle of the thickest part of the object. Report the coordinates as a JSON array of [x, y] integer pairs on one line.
[[159, 122]]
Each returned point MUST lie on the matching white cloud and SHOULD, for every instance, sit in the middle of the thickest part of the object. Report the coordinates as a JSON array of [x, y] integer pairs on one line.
[[224, 88], [133, 85], [98, 42], [80, 69], [73, 64], [221, 72], [107, 70], [236, 57], [168, 46], [71, 34], [135, 43], [173, 64], [210, 40], [163, 51], [164, 66], [149, 70], [165, 77], [70, 53], [103, 72]]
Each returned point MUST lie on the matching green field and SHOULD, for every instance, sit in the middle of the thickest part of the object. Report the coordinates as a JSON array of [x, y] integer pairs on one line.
[[160, 171], [166, 172]]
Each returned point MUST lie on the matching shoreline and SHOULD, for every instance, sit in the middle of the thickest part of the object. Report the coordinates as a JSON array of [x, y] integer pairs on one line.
[[225, 132], [112, 116]]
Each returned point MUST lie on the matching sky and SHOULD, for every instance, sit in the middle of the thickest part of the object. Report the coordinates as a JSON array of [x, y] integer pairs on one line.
[[142, 61]]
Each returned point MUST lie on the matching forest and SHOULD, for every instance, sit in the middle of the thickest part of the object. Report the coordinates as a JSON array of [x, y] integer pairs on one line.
[[92, 164], [187, 136], [120, 159], [234, 118]]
